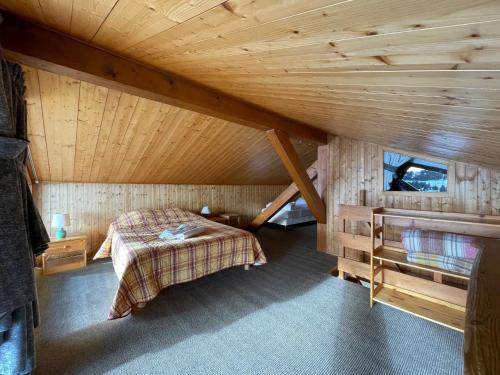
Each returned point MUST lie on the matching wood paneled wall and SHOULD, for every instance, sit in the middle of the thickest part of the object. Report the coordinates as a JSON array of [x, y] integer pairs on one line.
[[353, 173], [92, 207]]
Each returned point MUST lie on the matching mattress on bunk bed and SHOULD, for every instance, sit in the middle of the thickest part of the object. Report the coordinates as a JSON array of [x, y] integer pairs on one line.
[[146, 263], [448, 251]]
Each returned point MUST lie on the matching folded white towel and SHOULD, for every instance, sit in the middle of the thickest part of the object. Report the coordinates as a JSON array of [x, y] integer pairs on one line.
[[181, 232]]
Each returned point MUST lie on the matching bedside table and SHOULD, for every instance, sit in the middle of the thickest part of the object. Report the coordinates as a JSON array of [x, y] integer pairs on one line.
[[65, 254], [230, 217], [217, 219]]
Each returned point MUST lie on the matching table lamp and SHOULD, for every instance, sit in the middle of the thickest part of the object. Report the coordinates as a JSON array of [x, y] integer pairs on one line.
[[205, 211], [60, 221]]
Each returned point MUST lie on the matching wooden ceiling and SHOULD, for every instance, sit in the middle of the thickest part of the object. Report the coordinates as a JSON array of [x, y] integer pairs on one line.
[[422, 75], [81, 132]]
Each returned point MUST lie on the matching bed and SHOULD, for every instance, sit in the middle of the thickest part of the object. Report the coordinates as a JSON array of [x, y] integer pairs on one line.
[[293, 213], [146, 264]]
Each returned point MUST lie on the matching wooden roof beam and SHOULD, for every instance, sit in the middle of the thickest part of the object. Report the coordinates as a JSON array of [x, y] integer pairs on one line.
[[40, 48], [286, 196], [290, 159]]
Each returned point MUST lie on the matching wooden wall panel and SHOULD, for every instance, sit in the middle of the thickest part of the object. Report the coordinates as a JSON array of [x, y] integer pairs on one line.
[[354, 167], [93, 207]]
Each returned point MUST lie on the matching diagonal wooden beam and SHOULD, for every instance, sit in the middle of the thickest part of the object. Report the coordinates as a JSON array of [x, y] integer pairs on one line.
[[40, 48], [286, 196], [290, 159]]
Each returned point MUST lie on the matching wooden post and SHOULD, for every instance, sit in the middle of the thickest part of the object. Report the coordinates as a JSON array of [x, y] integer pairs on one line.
[[321, 187]]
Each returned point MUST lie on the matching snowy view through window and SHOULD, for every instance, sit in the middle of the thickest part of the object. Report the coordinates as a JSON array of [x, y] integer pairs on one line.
[[407, 173]]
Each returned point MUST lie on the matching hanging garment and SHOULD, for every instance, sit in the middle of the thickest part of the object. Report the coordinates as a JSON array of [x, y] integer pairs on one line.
[[22, 233]]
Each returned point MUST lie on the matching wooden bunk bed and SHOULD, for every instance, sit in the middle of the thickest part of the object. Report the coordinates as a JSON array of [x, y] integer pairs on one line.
[[429, 292]]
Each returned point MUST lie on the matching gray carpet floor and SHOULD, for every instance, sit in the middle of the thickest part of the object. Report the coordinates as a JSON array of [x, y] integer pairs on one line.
[[286, 317]]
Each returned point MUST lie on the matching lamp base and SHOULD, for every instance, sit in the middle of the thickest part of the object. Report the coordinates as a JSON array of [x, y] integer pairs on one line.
[[60, 234]]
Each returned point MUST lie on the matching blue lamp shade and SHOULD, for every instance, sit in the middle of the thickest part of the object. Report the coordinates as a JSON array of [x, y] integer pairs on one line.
[[59, 221], [205, 211]]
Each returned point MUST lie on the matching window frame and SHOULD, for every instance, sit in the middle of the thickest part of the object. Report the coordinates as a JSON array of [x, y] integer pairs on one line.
[[451, 175]]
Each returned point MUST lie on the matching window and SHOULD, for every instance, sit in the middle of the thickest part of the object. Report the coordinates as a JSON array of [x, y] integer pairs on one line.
[[414, 174]]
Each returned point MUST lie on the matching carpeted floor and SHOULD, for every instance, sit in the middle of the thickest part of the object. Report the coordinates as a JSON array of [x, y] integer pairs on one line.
[[287, 317]]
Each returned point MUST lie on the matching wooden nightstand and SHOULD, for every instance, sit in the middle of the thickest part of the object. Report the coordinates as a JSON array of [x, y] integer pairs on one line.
[[65, 254], [217, 219], [229, 219]]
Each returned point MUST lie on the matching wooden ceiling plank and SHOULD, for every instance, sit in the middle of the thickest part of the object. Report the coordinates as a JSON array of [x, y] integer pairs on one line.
[[443, 79], [427, 91], [47, 50], [121, 121], [91, 107], [454, 109], [289, 157], [223, 19], [57, 14], [133, 21], [351, 19], [170, 124], [387, 97], [110, 109], [60, 109], [474, 130], [88, 16], [142, 128], [145, 155], [473, 58], [36, 129]]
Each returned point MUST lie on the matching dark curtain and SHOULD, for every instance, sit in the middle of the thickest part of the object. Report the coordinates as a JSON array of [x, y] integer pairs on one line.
[[22, 233]]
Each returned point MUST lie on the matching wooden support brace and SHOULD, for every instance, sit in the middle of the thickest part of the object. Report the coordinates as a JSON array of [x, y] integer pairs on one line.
[[290, 159], [286, 196]]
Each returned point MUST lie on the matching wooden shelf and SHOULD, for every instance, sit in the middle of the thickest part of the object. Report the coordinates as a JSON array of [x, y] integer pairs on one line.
[[433, 309], [385, 253], [477, 220], [422, 307]]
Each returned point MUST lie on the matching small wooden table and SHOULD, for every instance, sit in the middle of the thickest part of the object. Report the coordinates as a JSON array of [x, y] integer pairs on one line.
[[65, 254], [217, 219], [230, 217]]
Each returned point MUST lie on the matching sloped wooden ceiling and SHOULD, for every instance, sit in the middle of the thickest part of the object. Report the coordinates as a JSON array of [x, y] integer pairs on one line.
[[421, 75], [81, 132]]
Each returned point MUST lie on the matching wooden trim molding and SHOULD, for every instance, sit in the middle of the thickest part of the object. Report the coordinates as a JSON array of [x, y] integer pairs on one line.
[[288, 155], [40, 48]]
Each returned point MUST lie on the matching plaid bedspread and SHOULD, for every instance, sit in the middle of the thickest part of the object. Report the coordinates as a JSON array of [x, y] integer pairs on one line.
[[449, 251], [145, 264]]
